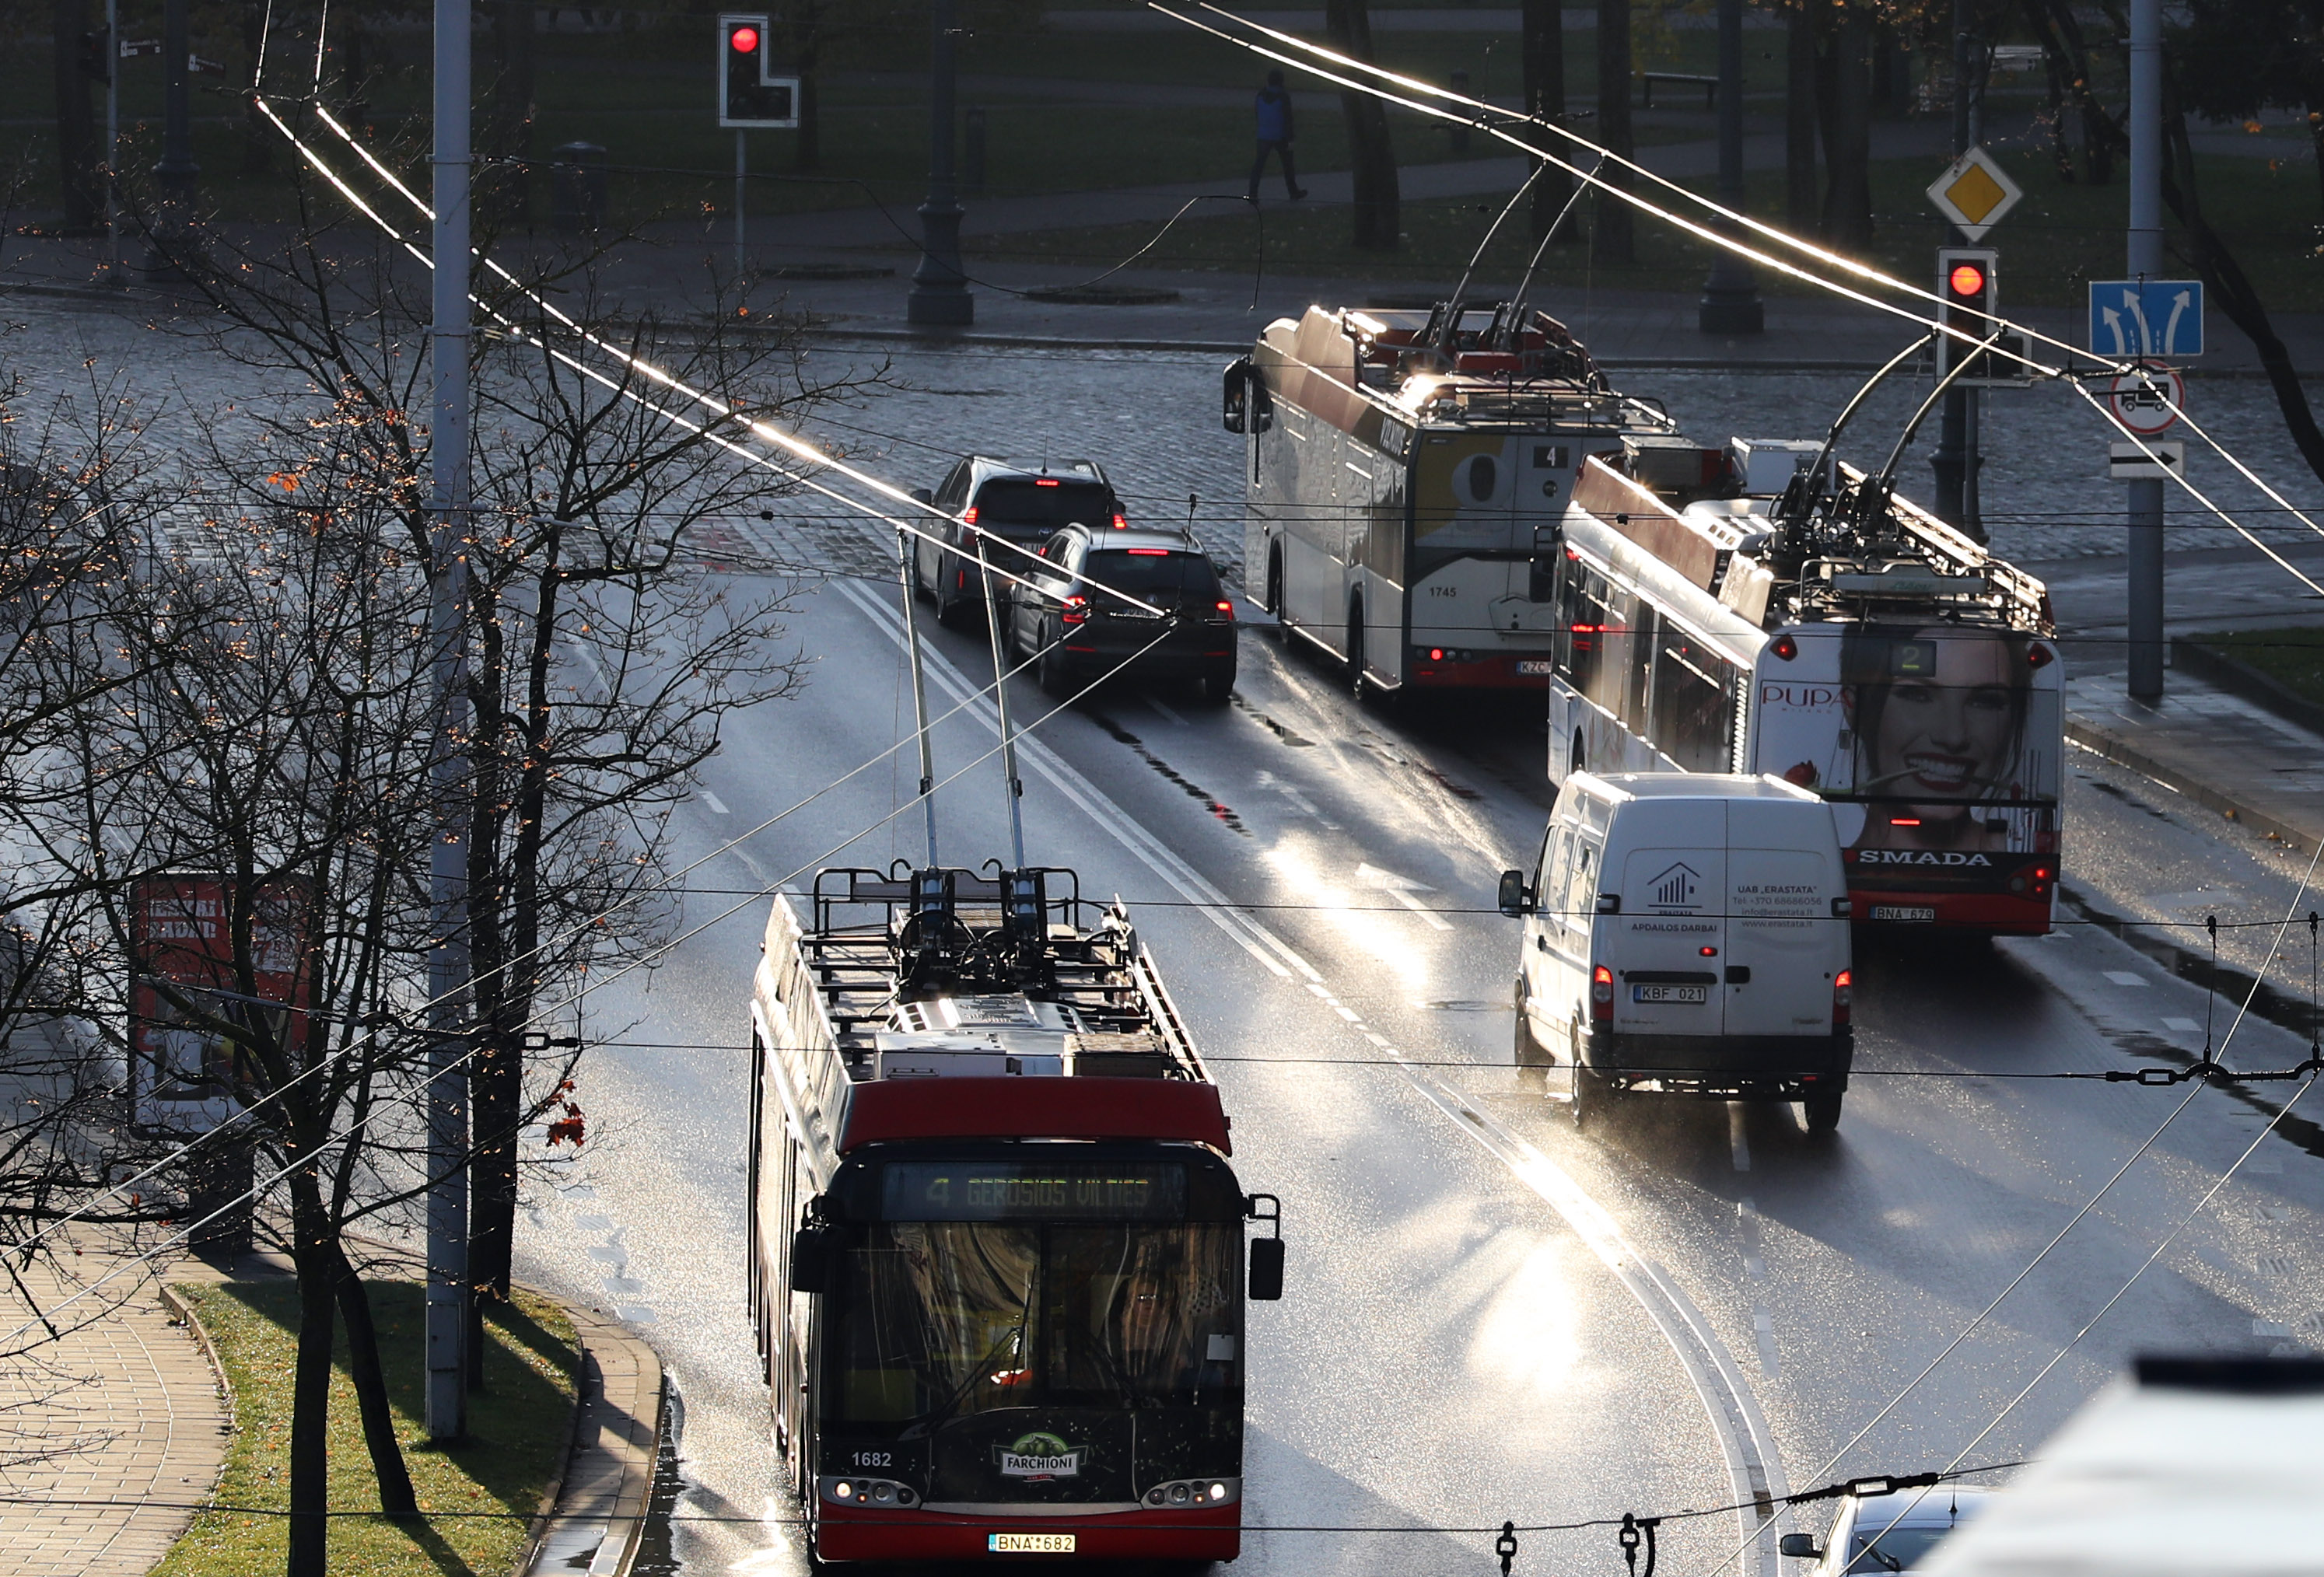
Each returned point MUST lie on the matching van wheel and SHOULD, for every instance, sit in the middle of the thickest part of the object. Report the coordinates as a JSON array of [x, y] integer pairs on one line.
[[1590, 1090], [1822, 1113], [1531, 1056]]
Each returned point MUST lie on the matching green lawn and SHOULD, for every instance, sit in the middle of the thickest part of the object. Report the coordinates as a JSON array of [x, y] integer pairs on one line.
[[2293, 659], [519, 1430]]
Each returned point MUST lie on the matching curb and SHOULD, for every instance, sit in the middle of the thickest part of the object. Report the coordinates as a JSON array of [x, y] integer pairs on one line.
[[184, 1310], [2115, 749], [2237, 678], [598, 1520]]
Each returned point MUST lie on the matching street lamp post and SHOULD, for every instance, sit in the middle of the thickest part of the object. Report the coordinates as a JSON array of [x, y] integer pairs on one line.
[[940, 298], [175, 172], [2145, 238], [1731, 296]]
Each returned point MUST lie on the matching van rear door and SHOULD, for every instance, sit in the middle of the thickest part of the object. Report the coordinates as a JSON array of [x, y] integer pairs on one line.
[[1674, 890], [1784, 945]]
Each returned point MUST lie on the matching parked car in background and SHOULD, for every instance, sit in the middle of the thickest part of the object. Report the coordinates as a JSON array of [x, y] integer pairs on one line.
[[1077, 615], [1021, 506]]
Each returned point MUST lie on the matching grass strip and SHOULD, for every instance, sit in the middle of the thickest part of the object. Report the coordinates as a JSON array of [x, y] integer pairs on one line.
[[518, 1431], [2293, 658]]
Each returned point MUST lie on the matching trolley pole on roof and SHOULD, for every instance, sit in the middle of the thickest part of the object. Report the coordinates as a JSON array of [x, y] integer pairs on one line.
[[448, 958], [1001, 700], [919, 695], [2146, 500]]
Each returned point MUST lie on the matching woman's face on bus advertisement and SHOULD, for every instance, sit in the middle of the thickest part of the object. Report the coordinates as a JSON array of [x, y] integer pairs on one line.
[[1946, 732]]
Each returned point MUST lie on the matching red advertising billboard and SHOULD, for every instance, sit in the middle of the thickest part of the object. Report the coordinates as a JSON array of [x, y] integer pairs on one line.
[[181, 933]]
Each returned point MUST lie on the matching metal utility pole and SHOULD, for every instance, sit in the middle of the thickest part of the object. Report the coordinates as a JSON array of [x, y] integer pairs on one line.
[[940, 298], [2145, 260], [1956, 461], [177, 173], [904, 556], [1731, 296], [447, 960], [113, 143]]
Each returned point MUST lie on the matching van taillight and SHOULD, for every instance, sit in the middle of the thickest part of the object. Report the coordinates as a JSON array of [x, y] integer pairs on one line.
[[1843, 997], [1602, 992], [1225, 612]]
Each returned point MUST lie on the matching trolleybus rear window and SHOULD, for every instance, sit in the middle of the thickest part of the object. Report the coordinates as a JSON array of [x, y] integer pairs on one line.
[[1031, 1191]]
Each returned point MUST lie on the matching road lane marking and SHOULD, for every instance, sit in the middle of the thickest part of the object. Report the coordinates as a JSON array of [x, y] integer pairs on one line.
[[2184, 1026], [1738, 1145], [2122, 977], [717, 806], [1166, 711], [1402, 889], [1753, 1465]]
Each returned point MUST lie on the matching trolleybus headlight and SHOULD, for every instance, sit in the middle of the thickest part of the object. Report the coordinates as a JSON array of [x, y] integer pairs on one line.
[[843, 1490], [1218, 1491], [1179, 1494], [1154, 1498], [883, 1491]]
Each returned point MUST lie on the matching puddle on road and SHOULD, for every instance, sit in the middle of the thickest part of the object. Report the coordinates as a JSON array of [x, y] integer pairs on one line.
[[1194, 791], [1286, 735]]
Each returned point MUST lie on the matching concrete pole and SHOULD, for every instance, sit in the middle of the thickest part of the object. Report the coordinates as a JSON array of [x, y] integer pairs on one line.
[[176, 173], [741, 232], [1731, 297], [448, 961], [940, 298], [113, 143], [1955, 452], [2145, 260]]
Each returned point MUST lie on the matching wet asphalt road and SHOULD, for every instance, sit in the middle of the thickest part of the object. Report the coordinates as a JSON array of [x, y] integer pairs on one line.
[[1490, 1315]]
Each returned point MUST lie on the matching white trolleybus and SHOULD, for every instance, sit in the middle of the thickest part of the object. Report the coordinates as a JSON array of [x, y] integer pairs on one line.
[[996, 1251], [1405, 473], [1756, 610]]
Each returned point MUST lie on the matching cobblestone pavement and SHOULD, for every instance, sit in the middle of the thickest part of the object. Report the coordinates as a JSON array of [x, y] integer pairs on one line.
[[126, 1408]]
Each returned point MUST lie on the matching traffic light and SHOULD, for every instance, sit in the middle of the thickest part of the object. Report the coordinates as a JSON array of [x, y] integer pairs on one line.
[[96, 54], [748, 94], [1965, 282]]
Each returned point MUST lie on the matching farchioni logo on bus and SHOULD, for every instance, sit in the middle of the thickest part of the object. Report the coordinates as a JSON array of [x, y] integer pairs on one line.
[[1040, 1455]]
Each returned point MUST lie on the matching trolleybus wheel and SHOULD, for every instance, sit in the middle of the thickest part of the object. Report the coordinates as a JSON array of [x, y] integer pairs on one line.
[[1356, 648], [1822, 1113], [1275, 588]]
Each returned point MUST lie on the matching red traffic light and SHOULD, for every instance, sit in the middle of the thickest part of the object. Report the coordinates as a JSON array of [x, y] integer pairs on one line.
[[1965, 279], [744, 40]]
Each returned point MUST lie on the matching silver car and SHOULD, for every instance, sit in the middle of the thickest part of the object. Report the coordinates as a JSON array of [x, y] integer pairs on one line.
[[1887, 1532]]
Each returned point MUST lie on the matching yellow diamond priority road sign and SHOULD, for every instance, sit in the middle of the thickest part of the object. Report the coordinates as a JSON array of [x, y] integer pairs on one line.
[[1974, 192]]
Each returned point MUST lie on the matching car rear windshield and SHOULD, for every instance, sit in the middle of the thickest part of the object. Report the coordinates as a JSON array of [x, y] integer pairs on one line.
[[1154, 576], [1022, 502]]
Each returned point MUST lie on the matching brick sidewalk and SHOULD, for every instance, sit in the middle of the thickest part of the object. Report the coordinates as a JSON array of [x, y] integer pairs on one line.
[[126, 1408]]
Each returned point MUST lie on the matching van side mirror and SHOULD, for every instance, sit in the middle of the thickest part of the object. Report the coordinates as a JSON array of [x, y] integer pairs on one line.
[[1799, 1546], [1265, 1284], [1514, 899], [922, 495], [815, 1256]]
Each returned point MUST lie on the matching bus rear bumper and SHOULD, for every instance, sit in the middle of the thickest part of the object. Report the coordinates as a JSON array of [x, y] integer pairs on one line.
[[1994, 914], [1207, 1534], [1514, 670]]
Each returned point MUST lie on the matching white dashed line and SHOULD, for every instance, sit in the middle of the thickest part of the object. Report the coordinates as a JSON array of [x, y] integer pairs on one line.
[[2184, 1026], [2122, 977], [1738, 1148], [717, 806]]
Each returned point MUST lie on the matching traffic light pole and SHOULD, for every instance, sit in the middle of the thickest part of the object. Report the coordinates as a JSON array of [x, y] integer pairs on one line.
[[1956, 461], [940, 297], [2146, 500], [741, 231]]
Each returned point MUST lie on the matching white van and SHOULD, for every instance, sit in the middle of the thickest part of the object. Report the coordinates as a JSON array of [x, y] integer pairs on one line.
[[1687, 931]]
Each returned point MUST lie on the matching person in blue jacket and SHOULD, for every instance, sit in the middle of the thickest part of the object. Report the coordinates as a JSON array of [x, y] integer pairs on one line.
[[1274, 134]]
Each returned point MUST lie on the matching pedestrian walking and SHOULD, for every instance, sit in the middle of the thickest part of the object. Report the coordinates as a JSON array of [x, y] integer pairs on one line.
[[1274, 134]]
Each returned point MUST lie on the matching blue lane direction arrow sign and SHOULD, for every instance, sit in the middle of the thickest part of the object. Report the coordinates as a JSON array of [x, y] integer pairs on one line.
[[2132, 319]]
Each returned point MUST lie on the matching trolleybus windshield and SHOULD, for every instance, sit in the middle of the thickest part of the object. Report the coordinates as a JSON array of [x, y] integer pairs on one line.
[[939, 1320]]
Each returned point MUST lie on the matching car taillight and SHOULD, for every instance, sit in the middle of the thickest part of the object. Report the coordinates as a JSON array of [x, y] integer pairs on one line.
[[1225, 612], [1047, 481], [1120, 523], [1843, 996], [1077, 609], [1602, 992], [968, 516]]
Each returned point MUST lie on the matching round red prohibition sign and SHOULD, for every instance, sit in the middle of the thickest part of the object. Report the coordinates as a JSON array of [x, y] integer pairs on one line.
[[2148, 402]]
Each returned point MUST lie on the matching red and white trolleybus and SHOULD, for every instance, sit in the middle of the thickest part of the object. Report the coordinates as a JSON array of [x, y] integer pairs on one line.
[[997, 1253]]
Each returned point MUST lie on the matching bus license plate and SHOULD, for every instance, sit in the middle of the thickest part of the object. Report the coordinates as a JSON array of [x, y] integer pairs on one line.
[[1925, 914], [1029, 1543], [1528, 668], [1670, 993]]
